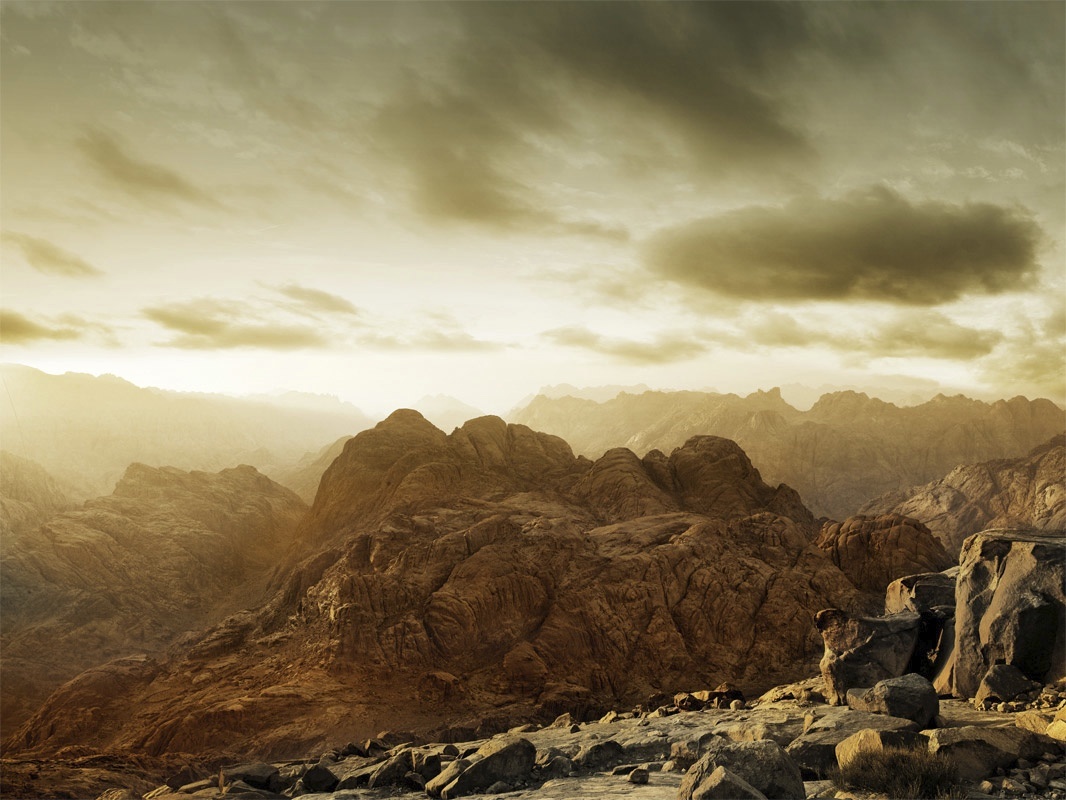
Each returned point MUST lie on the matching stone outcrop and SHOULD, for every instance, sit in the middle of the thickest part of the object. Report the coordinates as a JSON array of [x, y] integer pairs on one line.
[[1010, 607], [847, 450], [1026, 492], [169, 552], [874, 551], [860, 651], [924, 592], [493, 567]]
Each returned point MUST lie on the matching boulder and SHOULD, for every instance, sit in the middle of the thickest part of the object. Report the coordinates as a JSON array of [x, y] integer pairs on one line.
[[922, 592], [1003, 683], [1035, 721], [910, 697], [860, 651], [978, 751], [450, 773], [599, 756], [259, 775], [815, 750], [722, 784], [867, 739], [507, 759], [763, 765], [319, 779], [1057, 728], [1010, 607]]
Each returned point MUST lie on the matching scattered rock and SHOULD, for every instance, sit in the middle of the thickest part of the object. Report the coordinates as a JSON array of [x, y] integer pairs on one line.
[[506, 759], [763, 765]]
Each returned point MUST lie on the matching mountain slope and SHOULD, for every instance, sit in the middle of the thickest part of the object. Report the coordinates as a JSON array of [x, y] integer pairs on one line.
[[847, 449], [1026, 492], [168, 552], [28, 496], [472, 579], [86, 430]]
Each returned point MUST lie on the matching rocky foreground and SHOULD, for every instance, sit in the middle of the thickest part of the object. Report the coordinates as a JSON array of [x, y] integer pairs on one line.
[[783, 745]]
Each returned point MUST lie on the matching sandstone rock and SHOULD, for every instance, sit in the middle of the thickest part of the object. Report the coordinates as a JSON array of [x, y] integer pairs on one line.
[[599, 756], [815, 750], [763, 765], [447, 776], [867, 739], [979, 751], [1011, 607], [874, 551], [1003, 683], [638, 776], [860, 651], [1027, 491], [1057, 728], [1035, 721], [909, 697], [922, 592], [722, 784]]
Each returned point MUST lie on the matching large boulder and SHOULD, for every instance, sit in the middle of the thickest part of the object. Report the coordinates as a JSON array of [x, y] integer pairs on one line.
[[815, 751], [507, 758], [875, 550], [722, 784], [868, 740], [979, 751], [860, 651], [909, 697], [1003, 683], [1010, 607], [763, 765], [923, 592]]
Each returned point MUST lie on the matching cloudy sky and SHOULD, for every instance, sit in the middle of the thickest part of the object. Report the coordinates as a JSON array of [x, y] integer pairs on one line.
[[383, 201]]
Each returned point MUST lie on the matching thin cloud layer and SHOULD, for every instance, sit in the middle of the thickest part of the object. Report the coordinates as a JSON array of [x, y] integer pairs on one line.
[[869, 245], [664, 349], [46, 257], [141, 178], [317, 300], [16, 328], [214, 325]]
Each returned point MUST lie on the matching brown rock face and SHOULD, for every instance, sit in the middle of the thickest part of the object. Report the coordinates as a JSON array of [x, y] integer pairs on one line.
[[168, 552], [1010, 607], [1027, 492], [874, 551], [846, 450], [490, 575], [28, 496]]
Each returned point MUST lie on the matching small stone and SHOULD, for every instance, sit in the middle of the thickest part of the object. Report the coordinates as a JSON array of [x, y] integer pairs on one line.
[[987, 787], [1001, 708], [1023, 764], [575, 728], [654, 766], [670, 766], [736, 705], [638, 776]]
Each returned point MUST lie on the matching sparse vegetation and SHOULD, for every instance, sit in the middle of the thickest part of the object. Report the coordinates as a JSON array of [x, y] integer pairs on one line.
[[901, 774]]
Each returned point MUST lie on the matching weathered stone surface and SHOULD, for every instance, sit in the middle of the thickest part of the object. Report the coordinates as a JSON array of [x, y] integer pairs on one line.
[[874, 551], [979, 751], [867, 739], [639, 776], [506, 759], [1035, 721], [447, 775], [319, 778], [1026, 491], [909, 696], [1010, 607], [860, 651], [1057, 728], [599, 756], [1003, 683], [922, 592], [723, 784], [262, 776], [764, 765], [815, 750]]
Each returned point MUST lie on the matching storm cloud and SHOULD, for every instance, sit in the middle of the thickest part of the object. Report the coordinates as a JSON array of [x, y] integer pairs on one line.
[[873, 244]]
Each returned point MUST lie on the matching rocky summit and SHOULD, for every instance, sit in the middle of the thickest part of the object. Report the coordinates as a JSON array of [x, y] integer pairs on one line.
[[456, 584]]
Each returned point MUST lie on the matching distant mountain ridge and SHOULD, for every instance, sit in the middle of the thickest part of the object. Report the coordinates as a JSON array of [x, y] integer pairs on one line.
[[86, 430], [1025, 492], [846, 450]]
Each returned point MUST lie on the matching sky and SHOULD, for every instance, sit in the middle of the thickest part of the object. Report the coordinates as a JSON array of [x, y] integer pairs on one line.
[[382, 201]]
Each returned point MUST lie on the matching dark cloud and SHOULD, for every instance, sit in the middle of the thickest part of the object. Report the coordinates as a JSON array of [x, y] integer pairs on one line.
[[664, 349], [317, 300], [870, 245], [215, 325], [46, 257], [143, 179], [18, 329]]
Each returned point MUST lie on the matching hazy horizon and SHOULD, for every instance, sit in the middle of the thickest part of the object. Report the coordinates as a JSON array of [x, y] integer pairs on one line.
[[387, 201]]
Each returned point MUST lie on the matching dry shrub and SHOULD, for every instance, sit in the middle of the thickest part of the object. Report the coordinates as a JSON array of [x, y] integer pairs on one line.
[[901, 774]]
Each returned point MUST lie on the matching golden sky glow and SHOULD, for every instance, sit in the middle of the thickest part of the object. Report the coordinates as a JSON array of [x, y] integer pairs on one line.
[[388, 200]]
